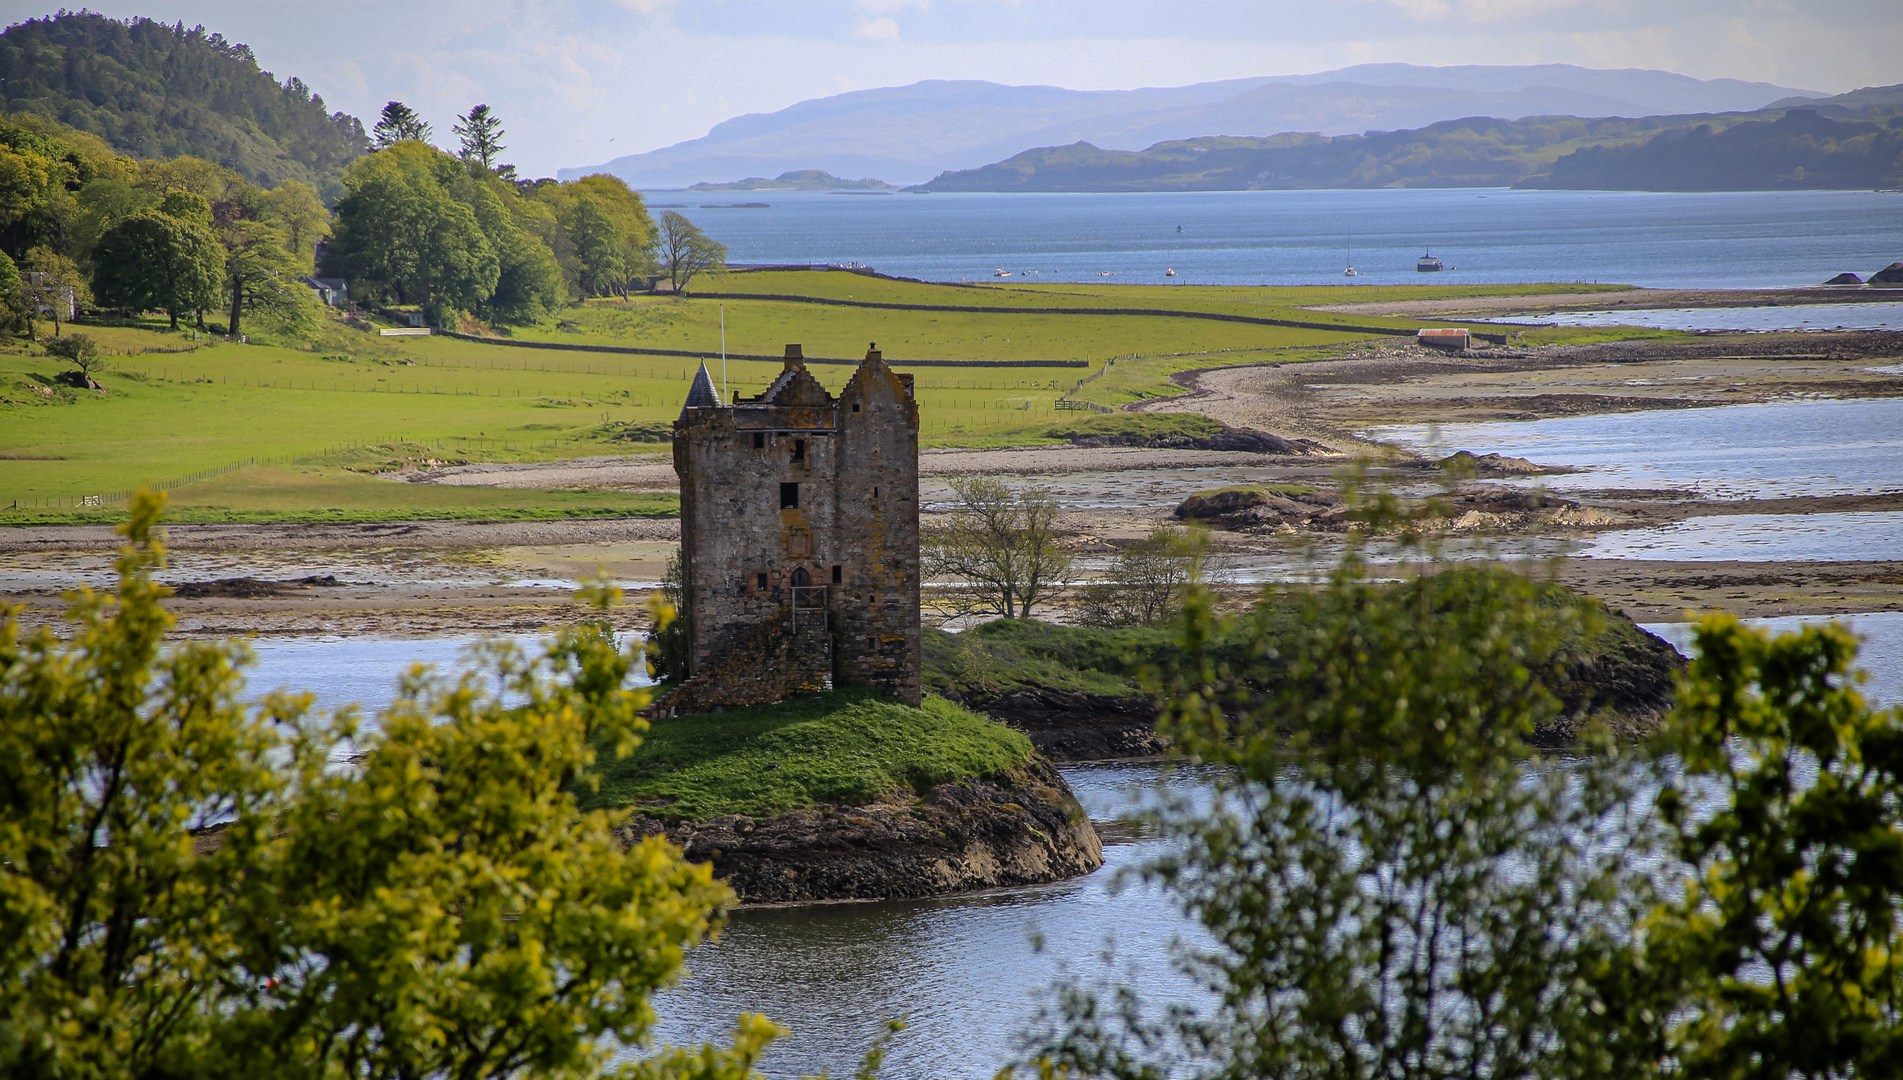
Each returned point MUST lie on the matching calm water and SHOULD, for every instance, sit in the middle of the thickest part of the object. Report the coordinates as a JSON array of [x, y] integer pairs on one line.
[[1730, 452], [1868, 315], [1729, 239], [1830, 537], [966, 972]]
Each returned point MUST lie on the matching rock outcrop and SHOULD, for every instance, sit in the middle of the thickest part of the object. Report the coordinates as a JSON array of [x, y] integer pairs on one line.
[[1228, 438], [1067, 725], [1022, 829]]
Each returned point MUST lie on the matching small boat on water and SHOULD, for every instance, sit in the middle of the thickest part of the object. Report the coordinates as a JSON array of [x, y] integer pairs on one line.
[[1428, 264], [1351, 271], [1171, 272], [1001, 272]]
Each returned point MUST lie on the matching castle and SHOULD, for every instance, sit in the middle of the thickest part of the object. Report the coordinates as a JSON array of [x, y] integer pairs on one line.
[[799, 538]]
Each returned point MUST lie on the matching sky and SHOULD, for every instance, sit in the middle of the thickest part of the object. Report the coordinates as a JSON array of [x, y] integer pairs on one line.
[[579, 83]]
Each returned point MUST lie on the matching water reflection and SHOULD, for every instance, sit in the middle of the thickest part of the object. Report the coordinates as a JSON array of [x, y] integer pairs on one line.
[[1867, 315], [1728, 452]]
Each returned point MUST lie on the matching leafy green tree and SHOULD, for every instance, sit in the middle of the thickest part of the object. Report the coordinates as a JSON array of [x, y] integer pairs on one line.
[[1389, 885], [79, 350], [686, 252], [402, 233], [153, 260], [528, 280], [13, 305], [262, 277], [100, 205], [296, 208], [1787, 946], [196, 885], [598, 249], [399, 123], [481, 135], [50, 282]]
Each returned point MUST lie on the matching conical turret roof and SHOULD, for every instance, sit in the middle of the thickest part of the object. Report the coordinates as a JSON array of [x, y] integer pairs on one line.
[[702, 394]]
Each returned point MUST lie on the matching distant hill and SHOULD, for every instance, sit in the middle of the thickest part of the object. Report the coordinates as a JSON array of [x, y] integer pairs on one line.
[[798, 180], [1798, 150], [161, 91], [1768, 149], [910, 133]]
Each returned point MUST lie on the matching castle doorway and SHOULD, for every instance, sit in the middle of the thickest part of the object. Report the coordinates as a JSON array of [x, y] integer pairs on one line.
[[801, 579]]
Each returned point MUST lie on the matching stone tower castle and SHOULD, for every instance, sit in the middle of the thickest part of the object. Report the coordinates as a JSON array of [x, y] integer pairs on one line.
[[799, 538]]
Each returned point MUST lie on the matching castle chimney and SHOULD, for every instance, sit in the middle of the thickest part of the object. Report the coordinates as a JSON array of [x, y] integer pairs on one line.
[[794, 357], [872, 351]]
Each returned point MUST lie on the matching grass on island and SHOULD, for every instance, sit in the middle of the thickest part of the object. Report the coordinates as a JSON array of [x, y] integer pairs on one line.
[[841, 748], [280, 431], [1005, 656]]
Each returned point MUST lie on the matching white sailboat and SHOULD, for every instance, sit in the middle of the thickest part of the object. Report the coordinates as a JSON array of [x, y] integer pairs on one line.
[[1351, 271]]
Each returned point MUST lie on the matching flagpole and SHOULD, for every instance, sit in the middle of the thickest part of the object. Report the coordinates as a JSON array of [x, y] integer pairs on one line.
[[723, 352]]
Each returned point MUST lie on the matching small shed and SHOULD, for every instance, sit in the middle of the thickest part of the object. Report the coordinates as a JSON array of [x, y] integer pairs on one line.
[[1444, 337]]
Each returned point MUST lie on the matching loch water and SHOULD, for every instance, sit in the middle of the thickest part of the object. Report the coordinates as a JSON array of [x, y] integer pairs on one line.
[[966, 973], [1737, 239]]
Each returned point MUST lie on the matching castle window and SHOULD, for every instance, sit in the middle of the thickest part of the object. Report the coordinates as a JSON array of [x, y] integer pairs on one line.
[[799, 449], [875, 492], [872, 644], [759, 440], [759, 581], [790, 496], [838, 576], [855, 407]]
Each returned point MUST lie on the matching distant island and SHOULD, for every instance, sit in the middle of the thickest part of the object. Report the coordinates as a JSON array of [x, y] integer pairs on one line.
[[1853, 141], [797, 180]]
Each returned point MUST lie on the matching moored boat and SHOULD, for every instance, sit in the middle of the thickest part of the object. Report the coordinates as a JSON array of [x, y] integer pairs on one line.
[[1428, 263]]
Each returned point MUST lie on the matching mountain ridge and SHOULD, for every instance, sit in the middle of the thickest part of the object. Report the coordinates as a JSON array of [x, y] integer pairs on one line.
[[909, 133]]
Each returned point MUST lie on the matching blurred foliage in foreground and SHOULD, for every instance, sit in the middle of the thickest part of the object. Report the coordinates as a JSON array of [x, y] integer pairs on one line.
[[1390, 881], [194, 885]]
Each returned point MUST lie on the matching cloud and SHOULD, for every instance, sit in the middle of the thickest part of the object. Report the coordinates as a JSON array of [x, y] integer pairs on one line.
[[647, 7], [886, 7], [883, 28]]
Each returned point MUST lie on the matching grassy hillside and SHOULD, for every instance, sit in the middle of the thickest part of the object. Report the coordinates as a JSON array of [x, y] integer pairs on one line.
[[318, 422], [159, 91], [846, 748]]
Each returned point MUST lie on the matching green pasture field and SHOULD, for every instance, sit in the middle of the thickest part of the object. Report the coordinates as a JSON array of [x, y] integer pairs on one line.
[[278, 432]]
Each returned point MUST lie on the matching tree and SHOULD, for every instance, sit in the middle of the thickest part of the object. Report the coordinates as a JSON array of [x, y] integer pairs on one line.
[[1001, 541], [52, 283], [598, 248], [1388, 886], [401, 232], [1787, 944], [153, 260], [295, 207], [261, 276], [195, 884], [12, 302], [686, 252], [79, 350], [1144, 581], [398, 124], [481, 135]]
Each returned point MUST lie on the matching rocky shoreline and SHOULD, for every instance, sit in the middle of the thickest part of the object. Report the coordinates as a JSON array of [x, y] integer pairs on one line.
[[1025, 828]]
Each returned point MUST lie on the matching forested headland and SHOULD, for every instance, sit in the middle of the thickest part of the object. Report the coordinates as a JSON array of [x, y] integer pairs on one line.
[[1801, 147], [155, 91]]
